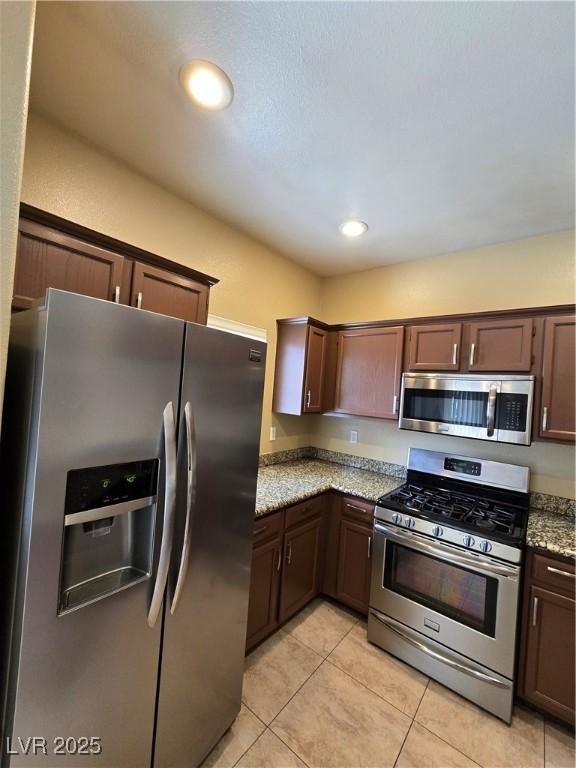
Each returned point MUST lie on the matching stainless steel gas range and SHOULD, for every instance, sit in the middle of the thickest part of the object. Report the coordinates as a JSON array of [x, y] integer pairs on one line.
[[446, 573]]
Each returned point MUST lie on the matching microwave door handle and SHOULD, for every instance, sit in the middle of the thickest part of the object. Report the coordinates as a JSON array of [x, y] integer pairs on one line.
[[169, 432], [190, 498], [491, 410]]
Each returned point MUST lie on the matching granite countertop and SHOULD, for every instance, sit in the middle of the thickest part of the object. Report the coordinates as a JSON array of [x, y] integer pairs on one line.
[[280, 485], [553, 532]]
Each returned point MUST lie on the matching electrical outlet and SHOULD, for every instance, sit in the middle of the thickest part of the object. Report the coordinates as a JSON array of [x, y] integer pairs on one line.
[[272, 433], [353, 436]]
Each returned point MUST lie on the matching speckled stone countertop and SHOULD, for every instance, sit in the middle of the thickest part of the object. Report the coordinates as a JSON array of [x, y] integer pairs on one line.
[[552, 532], [280, 485]]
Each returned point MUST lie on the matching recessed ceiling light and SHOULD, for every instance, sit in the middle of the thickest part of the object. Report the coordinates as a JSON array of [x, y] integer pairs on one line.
[[206, 84], [353, 228]]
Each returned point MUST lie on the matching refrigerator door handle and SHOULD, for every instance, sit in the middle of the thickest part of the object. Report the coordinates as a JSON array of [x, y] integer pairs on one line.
[[190, 497], [169, 510]]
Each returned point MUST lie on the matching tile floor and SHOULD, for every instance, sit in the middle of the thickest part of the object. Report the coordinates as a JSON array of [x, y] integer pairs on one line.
[[317, 694]]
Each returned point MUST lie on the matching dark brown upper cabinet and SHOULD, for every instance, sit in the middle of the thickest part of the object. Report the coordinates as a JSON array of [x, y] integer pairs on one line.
[[435, 347], [369, 367], [55, 253], [315, 367], [48, 259], [162, 291], [301, 350], [557, 414], [500, 345]]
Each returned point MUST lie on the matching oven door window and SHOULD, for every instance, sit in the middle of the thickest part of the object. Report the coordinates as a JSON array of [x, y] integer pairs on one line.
[[446, 406], [464, 595]]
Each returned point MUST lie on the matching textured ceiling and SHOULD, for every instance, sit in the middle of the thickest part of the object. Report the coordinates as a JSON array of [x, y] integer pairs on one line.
[[445, 126]]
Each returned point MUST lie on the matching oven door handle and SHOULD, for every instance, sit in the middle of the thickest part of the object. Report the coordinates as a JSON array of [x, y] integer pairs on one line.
[[438, 656], [415, 542]]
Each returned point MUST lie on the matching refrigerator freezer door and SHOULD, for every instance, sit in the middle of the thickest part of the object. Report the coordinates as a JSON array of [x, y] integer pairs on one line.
[[104, 375], [204, 639]]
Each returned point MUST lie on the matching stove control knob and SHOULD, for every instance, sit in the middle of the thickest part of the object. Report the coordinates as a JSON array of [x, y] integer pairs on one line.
[[485, 546], [437, 531], [468, 541], [409, 522], [396, 518]]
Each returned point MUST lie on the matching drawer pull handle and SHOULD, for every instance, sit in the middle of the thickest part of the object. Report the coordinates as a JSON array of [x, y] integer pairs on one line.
[[117, 294], [279, 563], [358, 509], [139, 300], [544, 418], [258, 531], [560, 572], [454, 354], [308, 397], [369, 547], [289, 554], [472, 351], [535, 612]]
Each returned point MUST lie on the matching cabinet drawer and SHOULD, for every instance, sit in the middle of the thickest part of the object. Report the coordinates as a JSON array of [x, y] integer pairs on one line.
[[267, 527], [304, 511], [358, 509], [558, 574]]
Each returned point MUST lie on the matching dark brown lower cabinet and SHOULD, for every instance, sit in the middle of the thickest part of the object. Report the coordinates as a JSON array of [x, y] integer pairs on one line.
[[354, 564], [548, 643], [264, 589], [300, 572]]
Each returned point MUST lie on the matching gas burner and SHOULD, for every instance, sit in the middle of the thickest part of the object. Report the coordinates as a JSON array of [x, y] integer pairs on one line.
[[461, 510]]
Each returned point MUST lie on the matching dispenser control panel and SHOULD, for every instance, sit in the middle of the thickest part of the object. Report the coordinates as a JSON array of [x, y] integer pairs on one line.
[[95, 487]]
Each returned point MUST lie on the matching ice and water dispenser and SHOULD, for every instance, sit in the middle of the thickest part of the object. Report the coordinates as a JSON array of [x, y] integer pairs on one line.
[[108, 531]]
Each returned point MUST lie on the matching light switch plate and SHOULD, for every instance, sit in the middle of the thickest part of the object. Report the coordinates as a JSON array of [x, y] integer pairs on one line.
[[272, 433], [353, 436]]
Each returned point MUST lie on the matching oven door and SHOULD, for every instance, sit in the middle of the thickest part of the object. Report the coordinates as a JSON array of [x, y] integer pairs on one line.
[[461, 599], [464, 407]]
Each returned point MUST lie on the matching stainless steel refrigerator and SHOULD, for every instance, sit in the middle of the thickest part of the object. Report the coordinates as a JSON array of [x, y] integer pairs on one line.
[[129, 465]]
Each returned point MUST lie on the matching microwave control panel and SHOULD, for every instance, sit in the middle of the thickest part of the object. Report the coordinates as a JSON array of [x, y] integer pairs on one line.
[[511, 412]]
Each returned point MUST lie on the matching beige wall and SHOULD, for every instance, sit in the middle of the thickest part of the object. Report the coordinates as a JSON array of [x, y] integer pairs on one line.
[[524, 273], [16, 28], [72, 179], [551, 465]]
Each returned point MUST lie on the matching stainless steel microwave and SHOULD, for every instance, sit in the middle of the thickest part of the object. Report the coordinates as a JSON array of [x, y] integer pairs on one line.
[[497, 408]]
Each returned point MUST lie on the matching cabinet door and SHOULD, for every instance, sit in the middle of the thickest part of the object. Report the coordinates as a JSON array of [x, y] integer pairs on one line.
[[264, 583], [47, 258], [300, 574], [315, 365], [549, 671], [435, 347], [354, 564], [159, 290], [368, 372], [558, 418], [501, 345]]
